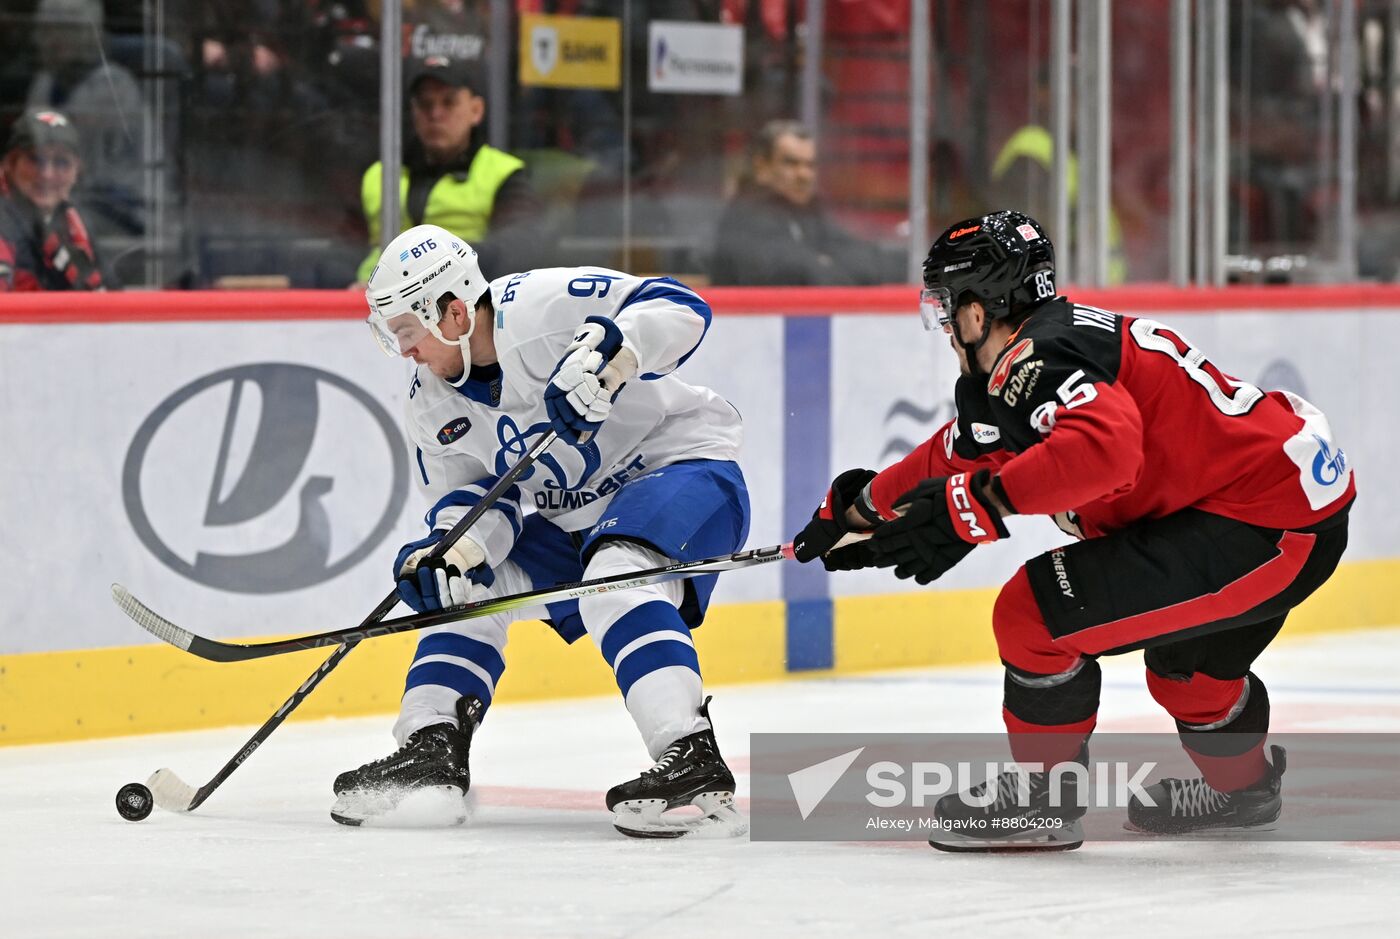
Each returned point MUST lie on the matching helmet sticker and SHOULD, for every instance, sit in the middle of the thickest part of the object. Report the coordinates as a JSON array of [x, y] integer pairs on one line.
[[1028, 232], [958, 233]]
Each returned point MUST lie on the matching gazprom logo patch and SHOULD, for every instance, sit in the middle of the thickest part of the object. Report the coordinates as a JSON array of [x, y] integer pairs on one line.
[[1329, 465]]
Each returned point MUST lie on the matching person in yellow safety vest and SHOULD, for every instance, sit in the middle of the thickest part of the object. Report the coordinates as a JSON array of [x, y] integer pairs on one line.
[[451, 177], [1035, 144]]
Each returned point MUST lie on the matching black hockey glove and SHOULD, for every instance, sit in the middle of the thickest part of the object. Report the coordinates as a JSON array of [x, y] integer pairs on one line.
[[944, 519], [828, 526]]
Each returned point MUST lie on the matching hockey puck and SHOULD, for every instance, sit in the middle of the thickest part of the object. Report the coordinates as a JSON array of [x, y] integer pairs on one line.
[[134, 802]]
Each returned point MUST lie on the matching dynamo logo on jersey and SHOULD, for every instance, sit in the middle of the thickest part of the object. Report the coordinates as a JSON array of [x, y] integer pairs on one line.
[[515, 443], [265, 478]]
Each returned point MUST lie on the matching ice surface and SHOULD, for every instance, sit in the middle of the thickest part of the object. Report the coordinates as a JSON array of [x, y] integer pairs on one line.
[[540, 859]]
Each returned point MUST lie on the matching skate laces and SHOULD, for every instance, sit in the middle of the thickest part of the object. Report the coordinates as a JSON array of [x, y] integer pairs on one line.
[[409, 744], [673, 753], [1194, 797], [1008, 790], [397, 754]]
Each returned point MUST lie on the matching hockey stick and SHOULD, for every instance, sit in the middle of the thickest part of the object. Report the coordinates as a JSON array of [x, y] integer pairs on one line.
[[175, 795], [216, 651]]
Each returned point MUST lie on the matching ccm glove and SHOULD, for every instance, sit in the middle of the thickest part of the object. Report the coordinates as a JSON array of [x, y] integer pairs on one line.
[[458, 576], [583, 386], [828, 526], [944, 519]]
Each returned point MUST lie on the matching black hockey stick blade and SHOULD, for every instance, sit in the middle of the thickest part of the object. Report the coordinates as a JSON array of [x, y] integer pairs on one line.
[[216, 651]]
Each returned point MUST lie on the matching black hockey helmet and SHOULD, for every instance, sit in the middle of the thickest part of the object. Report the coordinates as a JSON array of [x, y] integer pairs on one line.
[[1003, 259]]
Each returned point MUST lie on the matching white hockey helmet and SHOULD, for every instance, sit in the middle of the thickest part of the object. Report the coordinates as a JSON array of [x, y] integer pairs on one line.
[[408, 285]]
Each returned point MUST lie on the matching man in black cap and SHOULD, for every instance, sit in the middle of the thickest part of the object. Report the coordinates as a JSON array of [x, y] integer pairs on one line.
[[44, 244], [776, 230], [452, 178]]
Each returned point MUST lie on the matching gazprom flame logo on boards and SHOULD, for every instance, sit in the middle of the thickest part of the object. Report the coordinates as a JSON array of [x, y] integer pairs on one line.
[[265, 478]]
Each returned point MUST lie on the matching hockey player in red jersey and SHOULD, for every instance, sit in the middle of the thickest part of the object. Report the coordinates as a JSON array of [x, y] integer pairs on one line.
[[1206, 509]]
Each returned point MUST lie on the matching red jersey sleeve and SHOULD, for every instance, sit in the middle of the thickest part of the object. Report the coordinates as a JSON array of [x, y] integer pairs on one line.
[[936, 456], [1094, 450]]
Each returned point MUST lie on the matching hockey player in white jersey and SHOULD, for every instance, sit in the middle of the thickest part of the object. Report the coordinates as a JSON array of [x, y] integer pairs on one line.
[[643, 476]]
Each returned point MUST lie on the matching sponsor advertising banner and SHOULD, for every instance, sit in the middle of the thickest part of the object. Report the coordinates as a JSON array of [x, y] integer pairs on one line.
[[695, 58], [570, 51], [250, 478]]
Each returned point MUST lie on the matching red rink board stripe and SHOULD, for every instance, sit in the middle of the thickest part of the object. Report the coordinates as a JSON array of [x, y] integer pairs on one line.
[[282, 305]]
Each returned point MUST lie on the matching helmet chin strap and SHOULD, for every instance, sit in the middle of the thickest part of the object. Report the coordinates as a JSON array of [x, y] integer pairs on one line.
[[461, 340], [970, 350]]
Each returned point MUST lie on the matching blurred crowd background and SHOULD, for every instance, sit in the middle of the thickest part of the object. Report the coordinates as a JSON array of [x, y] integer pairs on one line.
[[227, 143]]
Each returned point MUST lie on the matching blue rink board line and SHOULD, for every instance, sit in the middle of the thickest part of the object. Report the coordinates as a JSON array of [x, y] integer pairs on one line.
[[806, 476]]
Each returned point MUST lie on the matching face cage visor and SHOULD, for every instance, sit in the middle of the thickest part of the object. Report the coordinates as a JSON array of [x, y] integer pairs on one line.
[[398, 334], [936, 308]]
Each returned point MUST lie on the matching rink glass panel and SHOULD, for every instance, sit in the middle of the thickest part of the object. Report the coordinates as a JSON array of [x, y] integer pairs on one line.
[[218, 149]]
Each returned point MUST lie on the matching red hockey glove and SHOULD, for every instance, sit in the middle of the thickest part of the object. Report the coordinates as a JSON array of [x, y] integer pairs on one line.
[[828, 525], [944, 519]]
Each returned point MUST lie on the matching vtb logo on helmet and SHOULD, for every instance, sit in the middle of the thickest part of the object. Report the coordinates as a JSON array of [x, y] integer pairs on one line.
[[1003, 260], [418, 275]]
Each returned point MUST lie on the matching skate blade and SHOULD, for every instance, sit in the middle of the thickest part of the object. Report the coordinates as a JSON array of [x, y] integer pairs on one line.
[[417, 807], [1039, 839], [1225, 831], [647, 818]]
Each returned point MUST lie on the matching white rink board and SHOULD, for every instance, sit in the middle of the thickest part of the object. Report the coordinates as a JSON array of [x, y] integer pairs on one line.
[[68, 532]]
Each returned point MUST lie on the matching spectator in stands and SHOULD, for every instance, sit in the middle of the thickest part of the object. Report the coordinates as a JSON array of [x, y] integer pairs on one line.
[[104, 103], [776, 231], [44, 244], [452, 178]]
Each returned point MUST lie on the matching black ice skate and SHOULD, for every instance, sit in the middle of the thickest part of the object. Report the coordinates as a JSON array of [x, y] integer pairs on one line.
[[1019, 815], [1185, 806], [690, 772], [433, 758]]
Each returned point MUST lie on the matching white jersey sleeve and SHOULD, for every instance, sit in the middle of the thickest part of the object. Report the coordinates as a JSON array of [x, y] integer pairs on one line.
[[662, 320], [453, 481]]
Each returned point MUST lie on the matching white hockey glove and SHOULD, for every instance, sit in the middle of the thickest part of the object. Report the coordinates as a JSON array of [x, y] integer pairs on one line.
[[459, 576], [581, 391]]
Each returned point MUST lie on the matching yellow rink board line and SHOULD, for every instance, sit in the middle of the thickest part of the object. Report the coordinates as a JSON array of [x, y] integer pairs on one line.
[[54, 696]]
